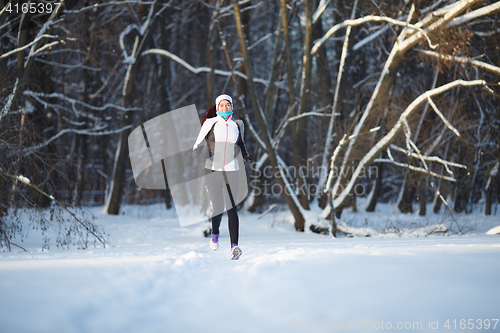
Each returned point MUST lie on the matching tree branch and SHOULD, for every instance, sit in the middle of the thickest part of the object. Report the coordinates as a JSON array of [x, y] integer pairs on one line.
[[26, 182], [483, 11], [197, 70], [431, 158], [445, 121], [463, 60], [5, 55], [365, 19], [389, 137]]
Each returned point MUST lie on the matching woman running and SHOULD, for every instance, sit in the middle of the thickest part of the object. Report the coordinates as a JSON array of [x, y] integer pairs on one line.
[[224, 136]]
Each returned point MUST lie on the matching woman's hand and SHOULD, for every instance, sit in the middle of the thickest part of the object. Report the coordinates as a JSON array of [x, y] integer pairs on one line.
[[197, 151], [248, 159]]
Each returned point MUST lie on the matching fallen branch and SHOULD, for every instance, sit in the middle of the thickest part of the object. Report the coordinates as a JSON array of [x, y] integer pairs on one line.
[[60, 204]]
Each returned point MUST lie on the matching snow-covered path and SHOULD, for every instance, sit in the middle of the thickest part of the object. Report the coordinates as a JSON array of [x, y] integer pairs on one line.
[[159, 277]]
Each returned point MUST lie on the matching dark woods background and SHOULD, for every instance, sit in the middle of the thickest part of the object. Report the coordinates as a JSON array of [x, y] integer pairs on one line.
[[70, 99]]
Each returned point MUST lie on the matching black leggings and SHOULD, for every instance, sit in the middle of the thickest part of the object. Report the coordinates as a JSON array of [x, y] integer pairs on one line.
[[217, 195]]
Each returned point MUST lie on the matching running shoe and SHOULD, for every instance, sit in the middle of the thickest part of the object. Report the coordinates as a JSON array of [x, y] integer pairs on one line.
[[235, 252], [214, 242]]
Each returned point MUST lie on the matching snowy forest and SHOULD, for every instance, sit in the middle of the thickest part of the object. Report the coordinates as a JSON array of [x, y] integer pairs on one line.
[[393, 101]]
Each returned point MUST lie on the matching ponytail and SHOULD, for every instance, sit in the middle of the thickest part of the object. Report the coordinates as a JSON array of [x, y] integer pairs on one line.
[[210, 113]]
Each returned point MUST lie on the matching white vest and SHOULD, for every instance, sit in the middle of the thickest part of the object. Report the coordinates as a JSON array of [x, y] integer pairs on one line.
[[226, 135]]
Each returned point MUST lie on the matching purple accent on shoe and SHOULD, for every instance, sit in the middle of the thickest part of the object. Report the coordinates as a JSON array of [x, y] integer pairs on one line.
[[233, 245], [215, 238], [235, 252]]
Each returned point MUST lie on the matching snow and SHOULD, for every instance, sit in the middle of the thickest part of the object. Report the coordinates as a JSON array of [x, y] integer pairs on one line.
[[493, 231], [155, 276], [23, 179]]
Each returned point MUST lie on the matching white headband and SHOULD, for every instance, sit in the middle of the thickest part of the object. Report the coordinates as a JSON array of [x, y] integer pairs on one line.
[[220, 98]]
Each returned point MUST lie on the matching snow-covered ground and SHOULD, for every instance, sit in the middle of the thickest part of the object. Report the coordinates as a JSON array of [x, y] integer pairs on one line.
[[155, 276]]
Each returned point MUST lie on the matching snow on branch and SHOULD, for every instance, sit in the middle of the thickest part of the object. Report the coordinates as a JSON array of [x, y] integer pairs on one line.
[[381, 31], [443, 118], [483, 11], [310, 113], [5, 55], [26, 181], [413, 168], [463, 60], [430, 173], [197, 70], [332, 162], [130, 59], [362, 20], [73, 101], [94, 132], [229, 10], [370, 38], [431, 159], [45, 26], [280, 130], [404, 43], [57, 64], [113, 3], [255, 135], [445, 15], [486, 33], [331, 124], [384, 142], [320, 10], [493, 173], [262, 39], [10, 98], [46, 47], [29, 58], [23, 179]]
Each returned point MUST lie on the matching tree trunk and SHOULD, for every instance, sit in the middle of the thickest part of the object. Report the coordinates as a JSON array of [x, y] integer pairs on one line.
[[269, 92], [323, 74], [242, 87], [121, 157], [353, 203], [3, 195], [422, 196], [89, 45], [212, 36], [299, 128], [338, 96], [405, 205], [299, 219], [437, 205], [80, 172], [489, 190], [461, 187], [493, 175], [376, 189]]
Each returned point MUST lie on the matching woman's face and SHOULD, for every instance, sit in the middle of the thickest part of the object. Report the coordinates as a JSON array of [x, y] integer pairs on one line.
[[225, 105]]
